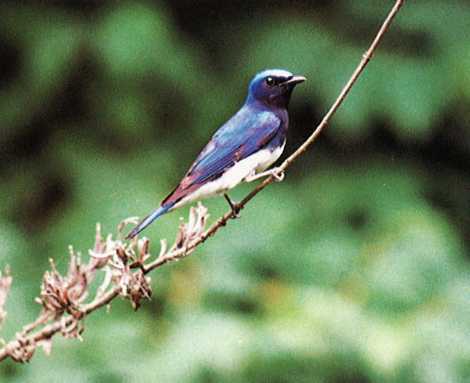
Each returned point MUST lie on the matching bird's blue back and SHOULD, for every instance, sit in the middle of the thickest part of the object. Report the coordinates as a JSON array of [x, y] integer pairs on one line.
[[252, 128], [245, 133]]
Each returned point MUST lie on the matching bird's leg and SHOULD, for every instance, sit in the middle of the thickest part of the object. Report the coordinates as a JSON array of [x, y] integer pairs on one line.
[[276, 172], [233, 205]]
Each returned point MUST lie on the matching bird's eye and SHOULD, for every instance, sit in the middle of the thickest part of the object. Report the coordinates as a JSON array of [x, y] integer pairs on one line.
[[270, 81]]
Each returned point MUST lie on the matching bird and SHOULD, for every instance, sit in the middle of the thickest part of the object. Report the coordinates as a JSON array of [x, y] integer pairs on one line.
[[241, 149]]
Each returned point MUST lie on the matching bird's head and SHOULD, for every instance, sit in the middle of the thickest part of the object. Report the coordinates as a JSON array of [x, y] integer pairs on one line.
[[273, 87]]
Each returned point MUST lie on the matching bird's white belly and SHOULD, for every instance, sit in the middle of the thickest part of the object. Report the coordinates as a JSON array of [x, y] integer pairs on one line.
[[255, 163]]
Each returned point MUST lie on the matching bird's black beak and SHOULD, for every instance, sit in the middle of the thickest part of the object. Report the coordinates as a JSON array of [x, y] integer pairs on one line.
[[294, 80]]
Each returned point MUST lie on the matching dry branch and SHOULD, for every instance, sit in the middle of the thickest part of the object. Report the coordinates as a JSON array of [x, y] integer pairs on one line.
[[126, 264]]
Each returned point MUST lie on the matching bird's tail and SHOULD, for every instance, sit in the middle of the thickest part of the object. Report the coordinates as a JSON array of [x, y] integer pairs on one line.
[[148, 220]]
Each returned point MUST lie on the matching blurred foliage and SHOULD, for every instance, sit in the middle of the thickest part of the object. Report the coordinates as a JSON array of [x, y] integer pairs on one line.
[[360, 271]]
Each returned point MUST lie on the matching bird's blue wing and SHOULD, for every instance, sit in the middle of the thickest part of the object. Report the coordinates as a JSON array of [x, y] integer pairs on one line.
[[239, 138], [244, 134]]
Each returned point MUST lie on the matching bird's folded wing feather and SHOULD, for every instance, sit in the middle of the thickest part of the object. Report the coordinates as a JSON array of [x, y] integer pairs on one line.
[[243, 135]]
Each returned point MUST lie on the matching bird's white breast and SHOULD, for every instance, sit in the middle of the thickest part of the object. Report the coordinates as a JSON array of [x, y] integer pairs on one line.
[[255, 163]]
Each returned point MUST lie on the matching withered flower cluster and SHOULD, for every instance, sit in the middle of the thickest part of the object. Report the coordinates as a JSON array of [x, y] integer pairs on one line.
[[114, 267]]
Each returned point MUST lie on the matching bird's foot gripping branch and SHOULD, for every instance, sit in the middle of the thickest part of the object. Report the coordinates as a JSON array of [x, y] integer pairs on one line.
[[66, 299]]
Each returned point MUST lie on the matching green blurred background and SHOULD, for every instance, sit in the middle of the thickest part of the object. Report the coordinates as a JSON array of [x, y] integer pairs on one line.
[[354, 269]]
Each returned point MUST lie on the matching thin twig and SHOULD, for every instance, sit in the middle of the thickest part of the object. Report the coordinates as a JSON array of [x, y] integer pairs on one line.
[[46, 333]]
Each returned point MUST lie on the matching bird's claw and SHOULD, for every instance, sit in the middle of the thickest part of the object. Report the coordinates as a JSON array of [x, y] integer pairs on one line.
[[234, 206], [278, 174], [235, 211]]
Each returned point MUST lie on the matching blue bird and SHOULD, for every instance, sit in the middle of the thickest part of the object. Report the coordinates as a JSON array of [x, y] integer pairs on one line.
[[241, 150]]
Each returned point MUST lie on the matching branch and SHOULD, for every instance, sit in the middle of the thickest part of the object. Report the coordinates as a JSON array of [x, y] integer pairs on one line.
[[127, 264]]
